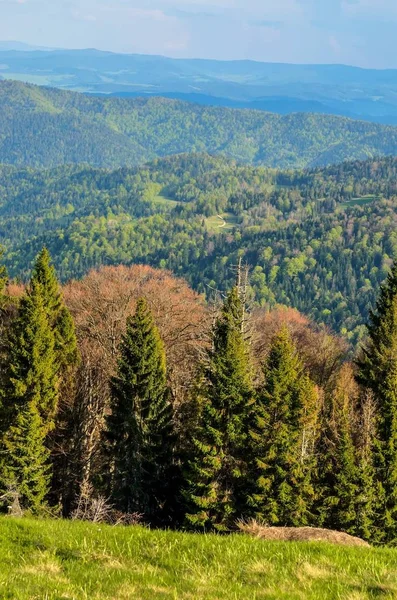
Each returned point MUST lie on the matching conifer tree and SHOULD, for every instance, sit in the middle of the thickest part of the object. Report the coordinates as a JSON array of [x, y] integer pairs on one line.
[[33, 364], [377, 371], [31, 399], [338, 469], [60, 318], [27, 466], [139, 427], [367, 500], [66, 354], [215, 490], [283, 438]]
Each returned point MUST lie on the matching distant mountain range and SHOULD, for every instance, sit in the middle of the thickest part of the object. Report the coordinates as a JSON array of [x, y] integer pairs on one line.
[[282, 88], [43, 127]]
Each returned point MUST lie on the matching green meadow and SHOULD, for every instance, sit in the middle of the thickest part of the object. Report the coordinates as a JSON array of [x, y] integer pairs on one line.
[[57, 559]]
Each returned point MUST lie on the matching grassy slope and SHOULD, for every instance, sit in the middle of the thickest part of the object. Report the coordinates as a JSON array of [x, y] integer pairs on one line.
[[70, 560]]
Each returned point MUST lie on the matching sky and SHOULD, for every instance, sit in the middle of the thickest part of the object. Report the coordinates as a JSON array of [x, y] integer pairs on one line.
[[356, 32]]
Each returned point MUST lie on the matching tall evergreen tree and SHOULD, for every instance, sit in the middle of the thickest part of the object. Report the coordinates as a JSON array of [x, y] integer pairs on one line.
[[283, 438], [377, 371], [367, 500], [33, 364], [139, 427], [27, 464], [31, 398], [338, 468], [66, 354], [60, 318], [217, 471]]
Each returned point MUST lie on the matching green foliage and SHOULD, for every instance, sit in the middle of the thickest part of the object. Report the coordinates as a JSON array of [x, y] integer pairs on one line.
[[217, 470], [378, 372], [339, 472], [59, 316], [30, 400], [307, 248], [139, 428], [283, 439], [33, 365], [42, 344], [27, 462]]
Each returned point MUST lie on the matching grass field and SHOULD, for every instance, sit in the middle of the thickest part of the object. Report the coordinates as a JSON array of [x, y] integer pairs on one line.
[[360, 201], [164, 201], [56, 560], [219, 223]]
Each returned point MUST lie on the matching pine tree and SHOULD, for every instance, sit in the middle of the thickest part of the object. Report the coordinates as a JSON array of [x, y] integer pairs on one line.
[[33, 364], [66, 354], [283, 439], [367, 500], [217, 470], [31, 399], [60, 318], [27, 466], [139, 428], [339, 477], [4, 327], [377, 371]]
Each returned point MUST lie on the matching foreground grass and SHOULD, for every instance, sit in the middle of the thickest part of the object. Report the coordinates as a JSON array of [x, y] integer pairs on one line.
[[70, 560]]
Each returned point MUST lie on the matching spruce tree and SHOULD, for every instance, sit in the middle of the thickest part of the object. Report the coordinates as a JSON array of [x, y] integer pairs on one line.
[[31, 399], [377, 371], [33, 364], [60, 318], [66, 354], [283, 439], [215, 490], [27, 467], [139, 428], [339, 477], [367, 500]]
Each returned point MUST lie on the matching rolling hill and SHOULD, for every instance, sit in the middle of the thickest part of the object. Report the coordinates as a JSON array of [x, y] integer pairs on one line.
[[43, 127], [282, 88], [321, 240]]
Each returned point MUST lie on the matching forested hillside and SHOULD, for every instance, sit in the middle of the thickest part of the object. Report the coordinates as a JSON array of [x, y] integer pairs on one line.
[[320, 240], [368, 94], [45, 127]]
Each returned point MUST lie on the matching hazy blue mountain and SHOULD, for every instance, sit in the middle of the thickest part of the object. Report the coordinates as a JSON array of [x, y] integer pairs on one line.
[[283, 88]]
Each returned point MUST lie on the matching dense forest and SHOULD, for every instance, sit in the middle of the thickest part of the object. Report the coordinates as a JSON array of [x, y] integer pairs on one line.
[[43, 127], [126, 399], [321, 240]]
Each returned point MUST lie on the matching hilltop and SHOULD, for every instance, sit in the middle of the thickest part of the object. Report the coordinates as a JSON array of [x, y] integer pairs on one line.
[[42, 127]]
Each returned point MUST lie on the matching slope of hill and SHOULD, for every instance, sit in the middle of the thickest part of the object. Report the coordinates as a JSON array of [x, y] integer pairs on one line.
[[47, 127], [330, 89], [321, 241], [65, 559]]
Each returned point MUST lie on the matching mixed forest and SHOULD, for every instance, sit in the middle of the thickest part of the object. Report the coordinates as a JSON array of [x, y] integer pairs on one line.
[[198, 315], [319, 240], [126, 398], [42, 127]]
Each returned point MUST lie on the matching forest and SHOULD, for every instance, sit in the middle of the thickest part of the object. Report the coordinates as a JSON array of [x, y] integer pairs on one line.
[[319, 240], [126, 398], [43, 127]]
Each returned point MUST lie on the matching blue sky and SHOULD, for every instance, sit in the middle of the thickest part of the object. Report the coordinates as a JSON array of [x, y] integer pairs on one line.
[[359, 32]]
